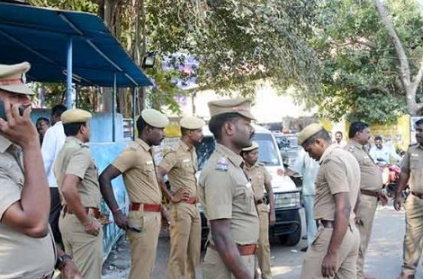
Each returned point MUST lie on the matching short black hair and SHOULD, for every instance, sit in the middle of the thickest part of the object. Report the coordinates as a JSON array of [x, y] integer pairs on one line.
[[419, 122], [184, 131], [378, 138], [216, 123], [43, 119], [58, 110], [140, 125], [322, 134], [339, 132], [356, 127], [72, 129]]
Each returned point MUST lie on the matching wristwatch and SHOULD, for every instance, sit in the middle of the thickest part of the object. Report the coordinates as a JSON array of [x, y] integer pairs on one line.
[[61, 260]]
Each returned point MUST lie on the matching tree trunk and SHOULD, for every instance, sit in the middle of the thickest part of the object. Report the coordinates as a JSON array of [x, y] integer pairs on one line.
[[410, 85]]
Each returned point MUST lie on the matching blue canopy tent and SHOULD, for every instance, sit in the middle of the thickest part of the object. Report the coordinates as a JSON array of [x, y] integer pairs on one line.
[[71, 47], [58, 42]]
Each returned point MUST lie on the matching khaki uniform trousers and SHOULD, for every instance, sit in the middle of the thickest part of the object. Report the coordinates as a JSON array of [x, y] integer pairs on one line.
[[185, 241], [347, 256], [263, 254], [413, 239], [367, 209], [143, 245], [215, 268], [86, 249]]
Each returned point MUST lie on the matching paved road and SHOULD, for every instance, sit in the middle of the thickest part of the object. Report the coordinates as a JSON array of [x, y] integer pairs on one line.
[[383, 260]]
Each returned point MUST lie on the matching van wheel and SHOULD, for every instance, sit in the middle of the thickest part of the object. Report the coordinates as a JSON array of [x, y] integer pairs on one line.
[[295, 237]]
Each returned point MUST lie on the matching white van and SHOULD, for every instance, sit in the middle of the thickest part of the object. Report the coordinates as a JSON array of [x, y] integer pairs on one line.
[[287, 196]]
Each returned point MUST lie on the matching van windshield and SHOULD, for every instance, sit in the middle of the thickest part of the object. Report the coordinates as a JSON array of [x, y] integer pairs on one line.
[[268, 152]]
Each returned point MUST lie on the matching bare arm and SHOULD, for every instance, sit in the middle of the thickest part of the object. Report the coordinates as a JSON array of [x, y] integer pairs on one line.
[[161, 172], [30, 214], [226, 247], [73, 199], [341, 222], [178, 196], [106, 188], [402, 182], [269, 190]]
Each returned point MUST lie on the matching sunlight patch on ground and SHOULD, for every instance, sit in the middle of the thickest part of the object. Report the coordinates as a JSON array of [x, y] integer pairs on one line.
[[281, 270]]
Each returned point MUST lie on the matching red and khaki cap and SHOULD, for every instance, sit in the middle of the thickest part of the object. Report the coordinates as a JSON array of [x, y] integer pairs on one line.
[[12, 78], [251, 148], [239, 105], [155, 118], [75, 116], [308, 132], [192, 123]]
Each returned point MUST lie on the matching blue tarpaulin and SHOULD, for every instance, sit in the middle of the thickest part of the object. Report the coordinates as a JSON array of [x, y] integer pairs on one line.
[[41, 37]]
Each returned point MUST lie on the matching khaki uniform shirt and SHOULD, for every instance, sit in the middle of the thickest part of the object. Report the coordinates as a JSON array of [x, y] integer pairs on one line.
[[339, 172], [226, 193], [413, 164], [21, 256], [181, 165], [259, 176], [371, 176], [75, 158], [136, 163]]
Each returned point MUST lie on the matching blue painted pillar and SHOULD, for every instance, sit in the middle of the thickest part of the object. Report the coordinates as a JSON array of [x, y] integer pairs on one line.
[[69, 76]]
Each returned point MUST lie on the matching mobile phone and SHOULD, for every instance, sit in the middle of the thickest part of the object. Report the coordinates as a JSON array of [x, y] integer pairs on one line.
[[134, 229], [3, 111]]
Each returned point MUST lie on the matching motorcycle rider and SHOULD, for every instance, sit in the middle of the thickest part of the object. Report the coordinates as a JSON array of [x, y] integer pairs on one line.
[[382, 154]]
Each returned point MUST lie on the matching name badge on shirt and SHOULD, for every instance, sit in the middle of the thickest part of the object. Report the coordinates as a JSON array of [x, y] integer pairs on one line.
[[149, 162], [248, 185], [414, 155], [186, 160]]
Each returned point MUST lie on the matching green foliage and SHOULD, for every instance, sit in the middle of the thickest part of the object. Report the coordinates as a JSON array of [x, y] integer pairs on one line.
[[360, 77]]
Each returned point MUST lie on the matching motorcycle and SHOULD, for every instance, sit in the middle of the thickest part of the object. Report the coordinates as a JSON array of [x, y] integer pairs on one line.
[[390, 175]]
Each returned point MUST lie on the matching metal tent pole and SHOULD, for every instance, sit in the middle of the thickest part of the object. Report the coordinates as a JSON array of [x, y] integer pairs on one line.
[[114, 109], [69, 76]]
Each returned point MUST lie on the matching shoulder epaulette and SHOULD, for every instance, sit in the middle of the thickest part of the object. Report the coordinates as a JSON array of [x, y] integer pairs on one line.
[[222, 164]]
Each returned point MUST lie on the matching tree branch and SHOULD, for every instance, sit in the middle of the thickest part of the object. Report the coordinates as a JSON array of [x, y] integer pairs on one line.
[[417, 79], [404, 68]]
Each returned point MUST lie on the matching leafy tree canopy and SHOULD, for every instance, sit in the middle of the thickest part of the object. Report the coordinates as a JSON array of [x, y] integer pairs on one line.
[[359, 63]]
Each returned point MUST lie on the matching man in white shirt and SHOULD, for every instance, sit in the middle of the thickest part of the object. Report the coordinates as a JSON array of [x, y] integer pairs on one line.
[[381, 153], [52, 144], [339, 139]]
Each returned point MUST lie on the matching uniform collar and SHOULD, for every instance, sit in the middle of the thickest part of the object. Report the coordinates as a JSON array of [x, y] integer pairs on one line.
[[236, 159], [328, 151], [143, 144], [4, 144], [76, 140], [184, 146]]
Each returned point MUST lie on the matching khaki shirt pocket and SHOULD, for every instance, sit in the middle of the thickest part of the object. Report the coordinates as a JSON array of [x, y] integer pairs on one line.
[[135, 219], [415, 163]]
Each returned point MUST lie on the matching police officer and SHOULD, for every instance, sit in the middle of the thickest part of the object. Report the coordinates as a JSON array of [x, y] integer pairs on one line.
[[334, 251], [370, 188], [180, 164], [227, 196], [77, 179], [412, 174], [136, 164], [26, 242], [261, 181]]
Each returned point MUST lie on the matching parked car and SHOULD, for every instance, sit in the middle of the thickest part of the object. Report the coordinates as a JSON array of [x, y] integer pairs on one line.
[[287, 197], [289, 149]]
